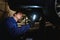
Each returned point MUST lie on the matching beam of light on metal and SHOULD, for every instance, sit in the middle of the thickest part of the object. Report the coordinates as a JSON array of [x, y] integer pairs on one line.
[[31, 6], [34, 6]]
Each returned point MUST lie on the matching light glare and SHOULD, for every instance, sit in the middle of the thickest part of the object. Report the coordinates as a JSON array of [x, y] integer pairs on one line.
[[34, 17]]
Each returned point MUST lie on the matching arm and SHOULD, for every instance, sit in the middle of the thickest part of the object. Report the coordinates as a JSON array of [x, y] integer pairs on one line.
[[13, 28]]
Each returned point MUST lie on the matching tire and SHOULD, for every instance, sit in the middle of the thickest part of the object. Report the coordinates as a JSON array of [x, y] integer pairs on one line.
[[51, 14]]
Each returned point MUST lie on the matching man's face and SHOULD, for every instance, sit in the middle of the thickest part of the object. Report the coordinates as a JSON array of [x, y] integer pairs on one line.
[[19, 15]]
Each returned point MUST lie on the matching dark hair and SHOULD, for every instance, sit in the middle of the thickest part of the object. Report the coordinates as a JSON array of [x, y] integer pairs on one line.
[[17, 12], [22, 11]]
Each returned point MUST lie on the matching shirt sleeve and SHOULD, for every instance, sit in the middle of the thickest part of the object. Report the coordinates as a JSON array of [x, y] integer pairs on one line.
[[14, 30]]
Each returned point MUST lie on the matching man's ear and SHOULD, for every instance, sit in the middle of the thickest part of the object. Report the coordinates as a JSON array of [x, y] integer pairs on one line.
[[14, 14]]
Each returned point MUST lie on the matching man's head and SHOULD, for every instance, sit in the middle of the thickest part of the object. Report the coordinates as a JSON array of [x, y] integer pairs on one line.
[[18, 15]]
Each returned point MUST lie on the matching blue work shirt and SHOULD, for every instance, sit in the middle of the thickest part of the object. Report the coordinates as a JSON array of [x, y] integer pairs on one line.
[[13, 29]]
